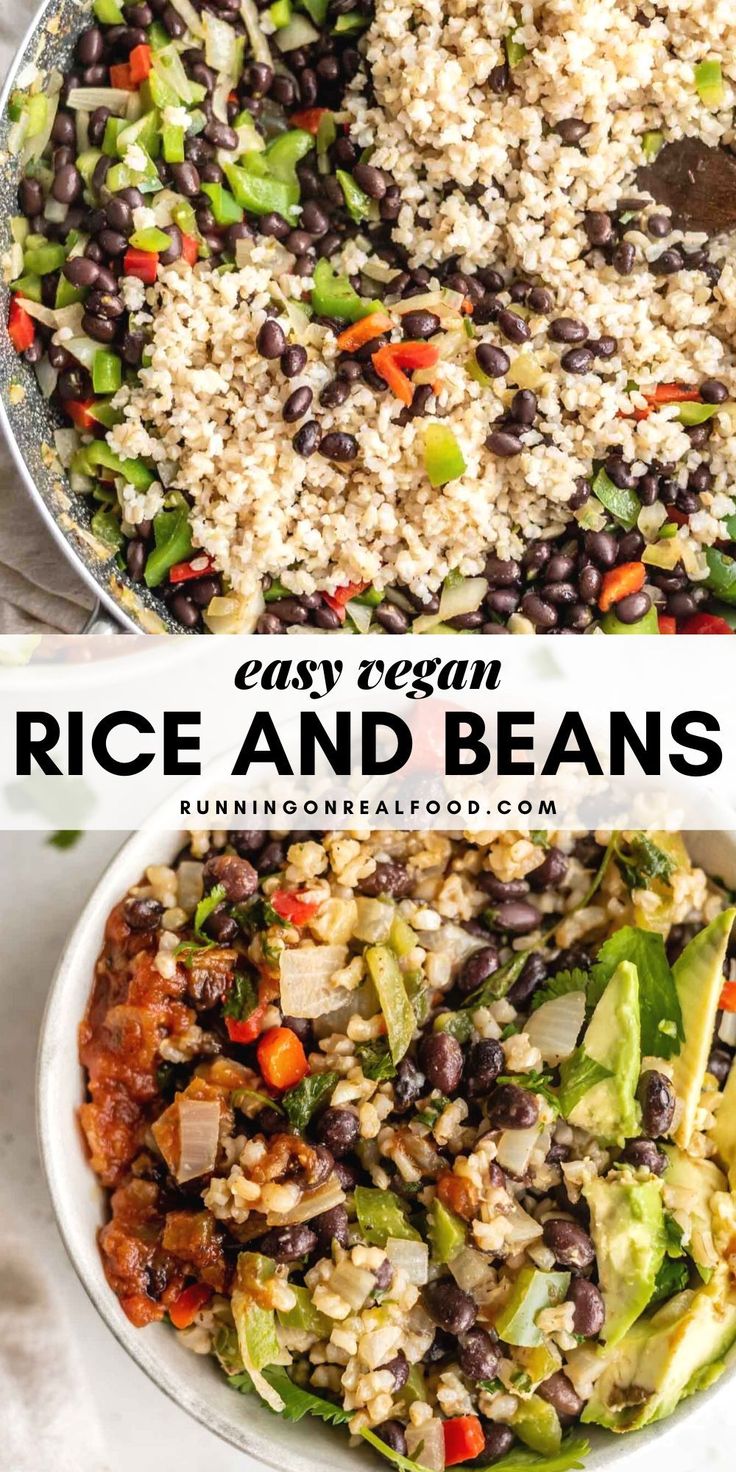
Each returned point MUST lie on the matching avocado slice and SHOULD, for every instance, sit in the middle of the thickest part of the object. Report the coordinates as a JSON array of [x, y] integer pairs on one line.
[[698, 974], [663, 1359], [699, 1180], [606, 1065], [627, 1227], [723, 1133]]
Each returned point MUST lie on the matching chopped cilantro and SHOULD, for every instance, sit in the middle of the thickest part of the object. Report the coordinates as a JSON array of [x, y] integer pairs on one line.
[[242, 997], [64, 838], [303, 1101], [537, 1083], [206, 906], [558, 986], [641, 860], [376, 1061]]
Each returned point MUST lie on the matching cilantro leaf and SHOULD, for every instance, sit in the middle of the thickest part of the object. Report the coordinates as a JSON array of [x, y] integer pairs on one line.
[[207, 904], [64, 838], [641, 860], [672, 1277], [570, 1458], [499, 982], [305, 1098], [558, 985], [434, 1107], [242, 997], [242, 1097], [256, 914], [376, 1061], [537, 1083], [540, 837], [297, 1402], [188, 949], [578, 1074], [661, 1016]]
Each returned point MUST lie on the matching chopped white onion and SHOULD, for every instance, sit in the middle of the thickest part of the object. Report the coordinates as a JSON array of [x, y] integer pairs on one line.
[[40, 312], [425, 1444], [258, 43], [115, 99], [374, 921], [192, 20], [451, 940], [199, 1132], [468, 1267], [236, 613], [55, 211], [189, 884], [727, 1029], [555, 1026], [299, 32], [47, 377], [464, 596], [83, 349], [36, 145], [515, 1148], [361, 615], [411, 1258], [67, 444], [352, 1283], [524, 1229], [307, 988], [310, 1204]]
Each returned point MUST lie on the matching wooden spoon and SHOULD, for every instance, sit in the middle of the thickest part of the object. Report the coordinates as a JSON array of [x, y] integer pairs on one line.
[[695, 182]]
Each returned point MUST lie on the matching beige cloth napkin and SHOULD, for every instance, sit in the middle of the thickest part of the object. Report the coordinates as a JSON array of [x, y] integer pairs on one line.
[[39, 590], [48, 1420]]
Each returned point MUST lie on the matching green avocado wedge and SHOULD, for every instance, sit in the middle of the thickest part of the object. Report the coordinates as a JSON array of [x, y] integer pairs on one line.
[[666, 1358], [723, 1133], [598, 1083], [698, 974], [627, 1227], [695, 1182]]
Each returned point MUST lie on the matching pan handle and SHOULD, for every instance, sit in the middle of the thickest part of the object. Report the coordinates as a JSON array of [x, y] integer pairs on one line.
[[101, 622]]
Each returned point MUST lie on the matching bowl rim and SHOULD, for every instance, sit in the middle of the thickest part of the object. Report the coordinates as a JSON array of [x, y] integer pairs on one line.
[[612, 1451]]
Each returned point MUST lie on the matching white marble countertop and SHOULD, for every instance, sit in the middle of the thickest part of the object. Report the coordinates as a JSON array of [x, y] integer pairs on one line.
[[43, 892]]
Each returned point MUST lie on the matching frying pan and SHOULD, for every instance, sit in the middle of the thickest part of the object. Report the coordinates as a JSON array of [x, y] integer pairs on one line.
[[25, 417]]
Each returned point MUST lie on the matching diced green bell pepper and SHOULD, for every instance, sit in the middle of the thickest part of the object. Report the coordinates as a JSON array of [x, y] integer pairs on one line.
[[333, 296], [709, 83], [102, 411], [280, 13], [145, 131], [691, 414], [357, 203], [98, 455], [624, 505], [276, 591], [443, 458], [646, 625], [106, 525], [225, 209], [66, 294], [355, 20], [28, 286], [370, 598], [515, 50], [721, 578], [285, 152], [113, 128], [316, 10], [158, 36], [263, 195], [537, 1424], [37, 111], [381, 1215], [108, 13], [532, 1291], [150, 239], [172, 140], [651, 144], [304, 1315], [44, 259], [107, 372], [173, 543], [446, 1232], [385, 973]]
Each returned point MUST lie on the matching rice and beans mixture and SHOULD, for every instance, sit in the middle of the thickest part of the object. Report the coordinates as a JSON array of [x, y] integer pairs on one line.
[[346, 1093], [535, 432]]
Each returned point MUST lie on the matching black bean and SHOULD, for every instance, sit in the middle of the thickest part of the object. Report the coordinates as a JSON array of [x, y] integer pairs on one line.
[[283, 90], [467, 620], [392, 1433], [598, 227], [102, 329], [541, 300], [31, 197], [135, 558], [712, 391], [502, 572], [99, 175], [659, 225], [326, 618], [338, 1129], [550, 872], [67, 185], [485, 1062], [331, 1226], [645, 1154], [131, 348], [297, 404], [390, 879], [275, 225], [517, 917], [338, 446], [383, 1275], [271, 342], [502, 889], [450, 1307], [602, 547], [81, 271], [632, 608], [561, 1393], [513, 326], [399, 1367], [289, 610], [571, 130], [542, 614], [220, 926], [371, 180], [657, 1100], [142, 914], [113, 242], [477, 969], [419, 324], [306, 439], [572, 1247], [568, 330], [61, 157], [408, 1084], [577, 360], [504, 443], [287, 1244], [173, 22], [512, 1108], [293, 360], [623, 258], [580, 495], [533, 972], [236, 875], [719, 1063], [590, 1310], [64, 130], [478, 1355], [603, 347], [441, 1058], [260, 78], [334, 393], [139, 15], [668, 263], [523, 406], [105, 303], [391, 617], [630, 547], [503, 601], [90, 46], [314, 219], [619, 472]]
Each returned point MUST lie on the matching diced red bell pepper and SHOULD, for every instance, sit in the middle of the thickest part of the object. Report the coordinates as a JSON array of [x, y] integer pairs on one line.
[[197, 567], [391, 360], [727, 1000], [290, 906], [21, 326], [464, 1439], [337, 600], [281, 1058], [120, 76], [668, 393], [667, 624], [141, 263], [186, 1307], [309, 119], [705, 623], [246, 1029], [189, 249], [621, 581], [78, 411], [140, 62]]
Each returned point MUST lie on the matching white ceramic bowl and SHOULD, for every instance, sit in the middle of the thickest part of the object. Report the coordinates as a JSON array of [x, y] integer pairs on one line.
[[193, 1381]]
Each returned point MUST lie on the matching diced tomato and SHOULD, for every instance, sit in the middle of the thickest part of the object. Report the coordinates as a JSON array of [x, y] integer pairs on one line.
[[198, 567], [705, 623], [457, 1193], [391, 361], [140, 62], [727, 1001], [464, 1439], [667, 624], [78, 411], [309, 119], [21, 326], [184, 1311], [341, 596], [189, 249], [120, 76], [627, 578], [281, 1058], [246, 1029], [141, 263], [290, 906]]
